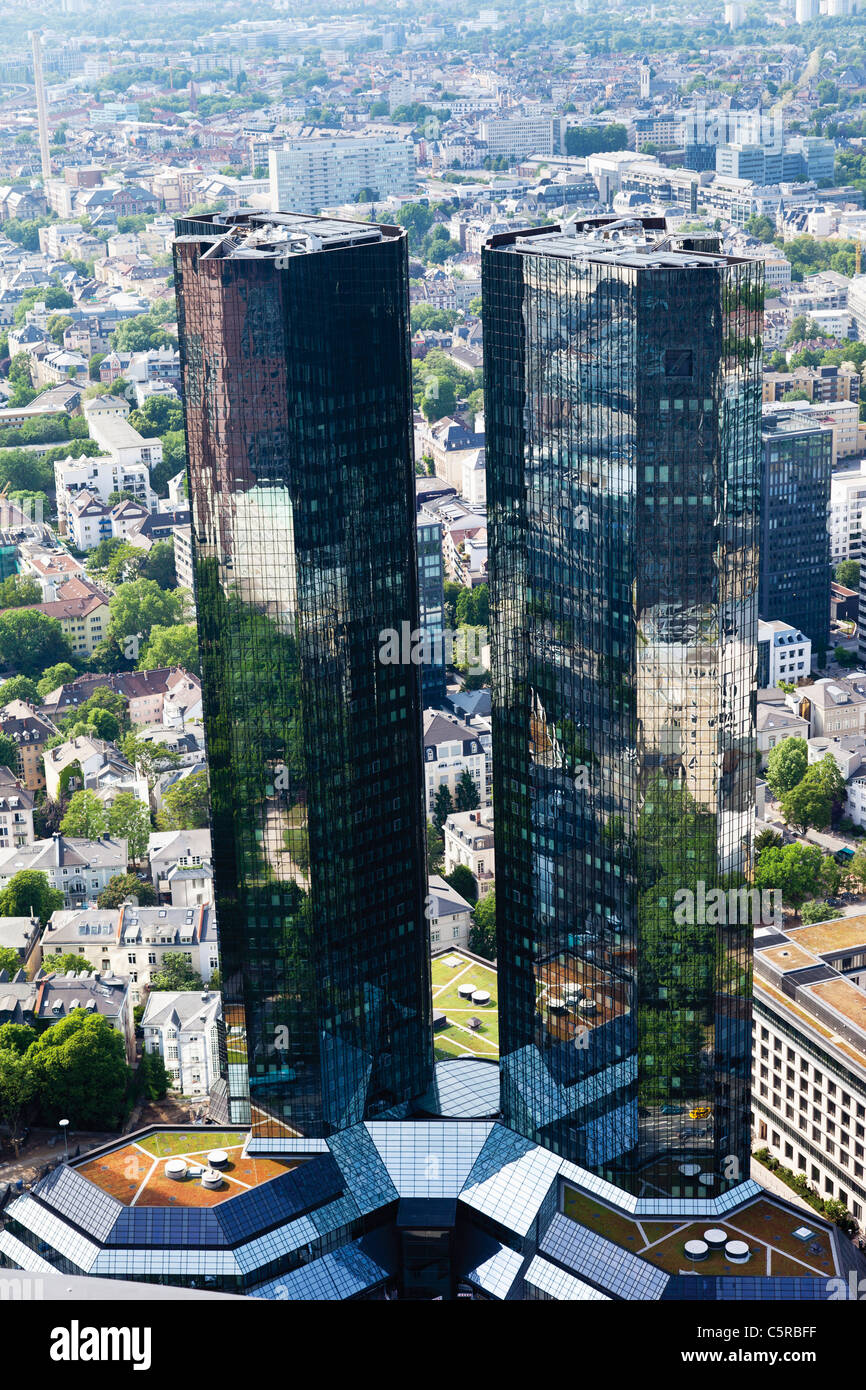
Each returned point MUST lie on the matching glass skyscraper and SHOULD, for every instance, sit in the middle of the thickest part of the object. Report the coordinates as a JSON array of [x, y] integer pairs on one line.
[[622, 397], [296, 374]]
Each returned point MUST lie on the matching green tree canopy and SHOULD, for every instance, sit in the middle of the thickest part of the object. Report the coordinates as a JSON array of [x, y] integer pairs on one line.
[[176, 973], [786, 765], [124, 886], [28, 893], [171, 646], [85, 816], [19, 688], [442, 807], [81, 1071], [793, 869], [482, 933], [462, 880], [18, 591], [129, 819], [185, 804], [30, 641], [848, 574]]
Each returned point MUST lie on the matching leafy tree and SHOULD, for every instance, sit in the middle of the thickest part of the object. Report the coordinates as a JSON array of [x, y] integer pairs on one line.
[[584, 140], [176, 973], [832, 875], [61, 962], [28, 893], [482, 933], [843, 657], [462, 880], [172, 646], [848, 574], [185, 805], [139, 334], [442, 807], [100, 555], [761, 227], [786, 765], [129, 819], [85, 816], [809, 803], [81, 1071], [125, 563], [30, 640], [124, 886], [440, 398], [149, 756], [10, 961], [473, 606], [19, 688], [16, 1037], [467, 792], [137, 607], [159, 565], [18, 591], [18, 1086], [766, 839], [816, 911], [435, 848], [153, 1078], [793, 869]]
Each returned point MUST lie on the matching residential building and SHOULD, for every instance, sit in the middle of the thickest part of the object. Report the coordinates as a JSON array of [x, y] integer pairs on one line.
[[308, 842], [79, 868], [181, 866], [21, 934], [50, 998], [784, 654], [773, 724], [794, 564], [165, 695], [82, 611], [449, 915], [84, 760], [468, 837], [450, 749], [100, 477], [16, 811], [325, 172], [623, 450], [834, 706], [516, 137], [835, 383], [133, 941], [184, 1028], [847, 500], [30, 730]]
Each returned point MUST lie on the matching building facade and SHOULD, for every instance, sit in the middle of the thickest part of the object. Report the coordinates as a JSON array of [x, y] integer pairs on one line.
[[794, 578], [622, 399], [294, 340]]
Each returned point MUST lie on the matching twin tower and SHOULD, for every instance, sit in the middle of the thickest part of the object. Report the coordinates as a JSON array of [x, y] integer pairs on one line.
[[622, 400]]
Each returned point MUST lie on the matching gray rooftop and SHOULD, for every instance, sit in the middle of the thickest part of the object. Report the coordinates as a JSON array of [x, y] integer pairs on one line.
[[279, 234], [625, 241]]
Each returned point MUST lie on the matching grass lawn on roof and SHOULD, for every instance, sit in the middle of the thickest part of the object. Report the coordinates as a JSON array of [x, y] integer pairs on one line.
[[202, 1141]]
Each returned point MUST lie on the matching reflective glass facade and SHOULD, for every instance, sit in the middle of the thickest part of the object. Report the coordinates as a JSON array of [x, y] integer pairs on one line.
[[622, 394], [431, 592], [296, 373], [794, 580]]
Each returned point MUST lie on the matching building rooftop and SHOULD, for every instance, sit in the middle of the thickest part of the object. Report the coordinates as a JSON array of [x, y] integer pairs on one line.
[[280, 234], [634, 242]]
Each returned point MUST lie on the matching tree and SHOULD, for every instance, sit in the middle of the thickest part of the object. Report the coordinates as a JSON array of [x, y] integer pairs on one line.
[[482, 933], [61, 962], [462, 880], [185, 804], [176, 973], [17, 1090], [18, 591], [85, 817], [8, 752], [137, 607], [10, 961], [848, 574], [129, 819], [467, 792], [809, 803], [122, 887], [125, 563], [28, 893], [16, 1037], [442, 807], [153, 1078], [30, 641], [19, 688], [81, 1071], [793, 869], [55, 676], [786, 765], [766, 839], [435, 848], [816, 911], [159, 565], [171, 646], [584, 140]]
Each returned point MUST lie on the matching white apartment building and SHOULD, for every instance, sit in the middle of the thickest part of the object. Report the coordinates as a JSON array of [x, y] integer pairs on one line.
[[16, 812], [809, 1054], [784, 653], [450, 749], [518, 137], [847, 500], [468, 837], [132, 941], [99, 478], [80, 869], [183, 556], [184, 1027], [308, 175], [449, 915]]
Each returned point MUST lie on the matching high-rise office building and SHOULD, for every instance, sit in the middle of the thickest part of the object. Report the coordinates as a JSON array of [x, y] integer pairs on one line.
[[622, 398], [431, 601], [794, 576], [294, 341]]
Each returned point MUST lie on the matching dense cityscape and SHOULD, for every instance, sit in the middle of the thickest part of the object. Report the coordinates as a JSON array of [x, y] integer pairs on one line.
[[433, 656]]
